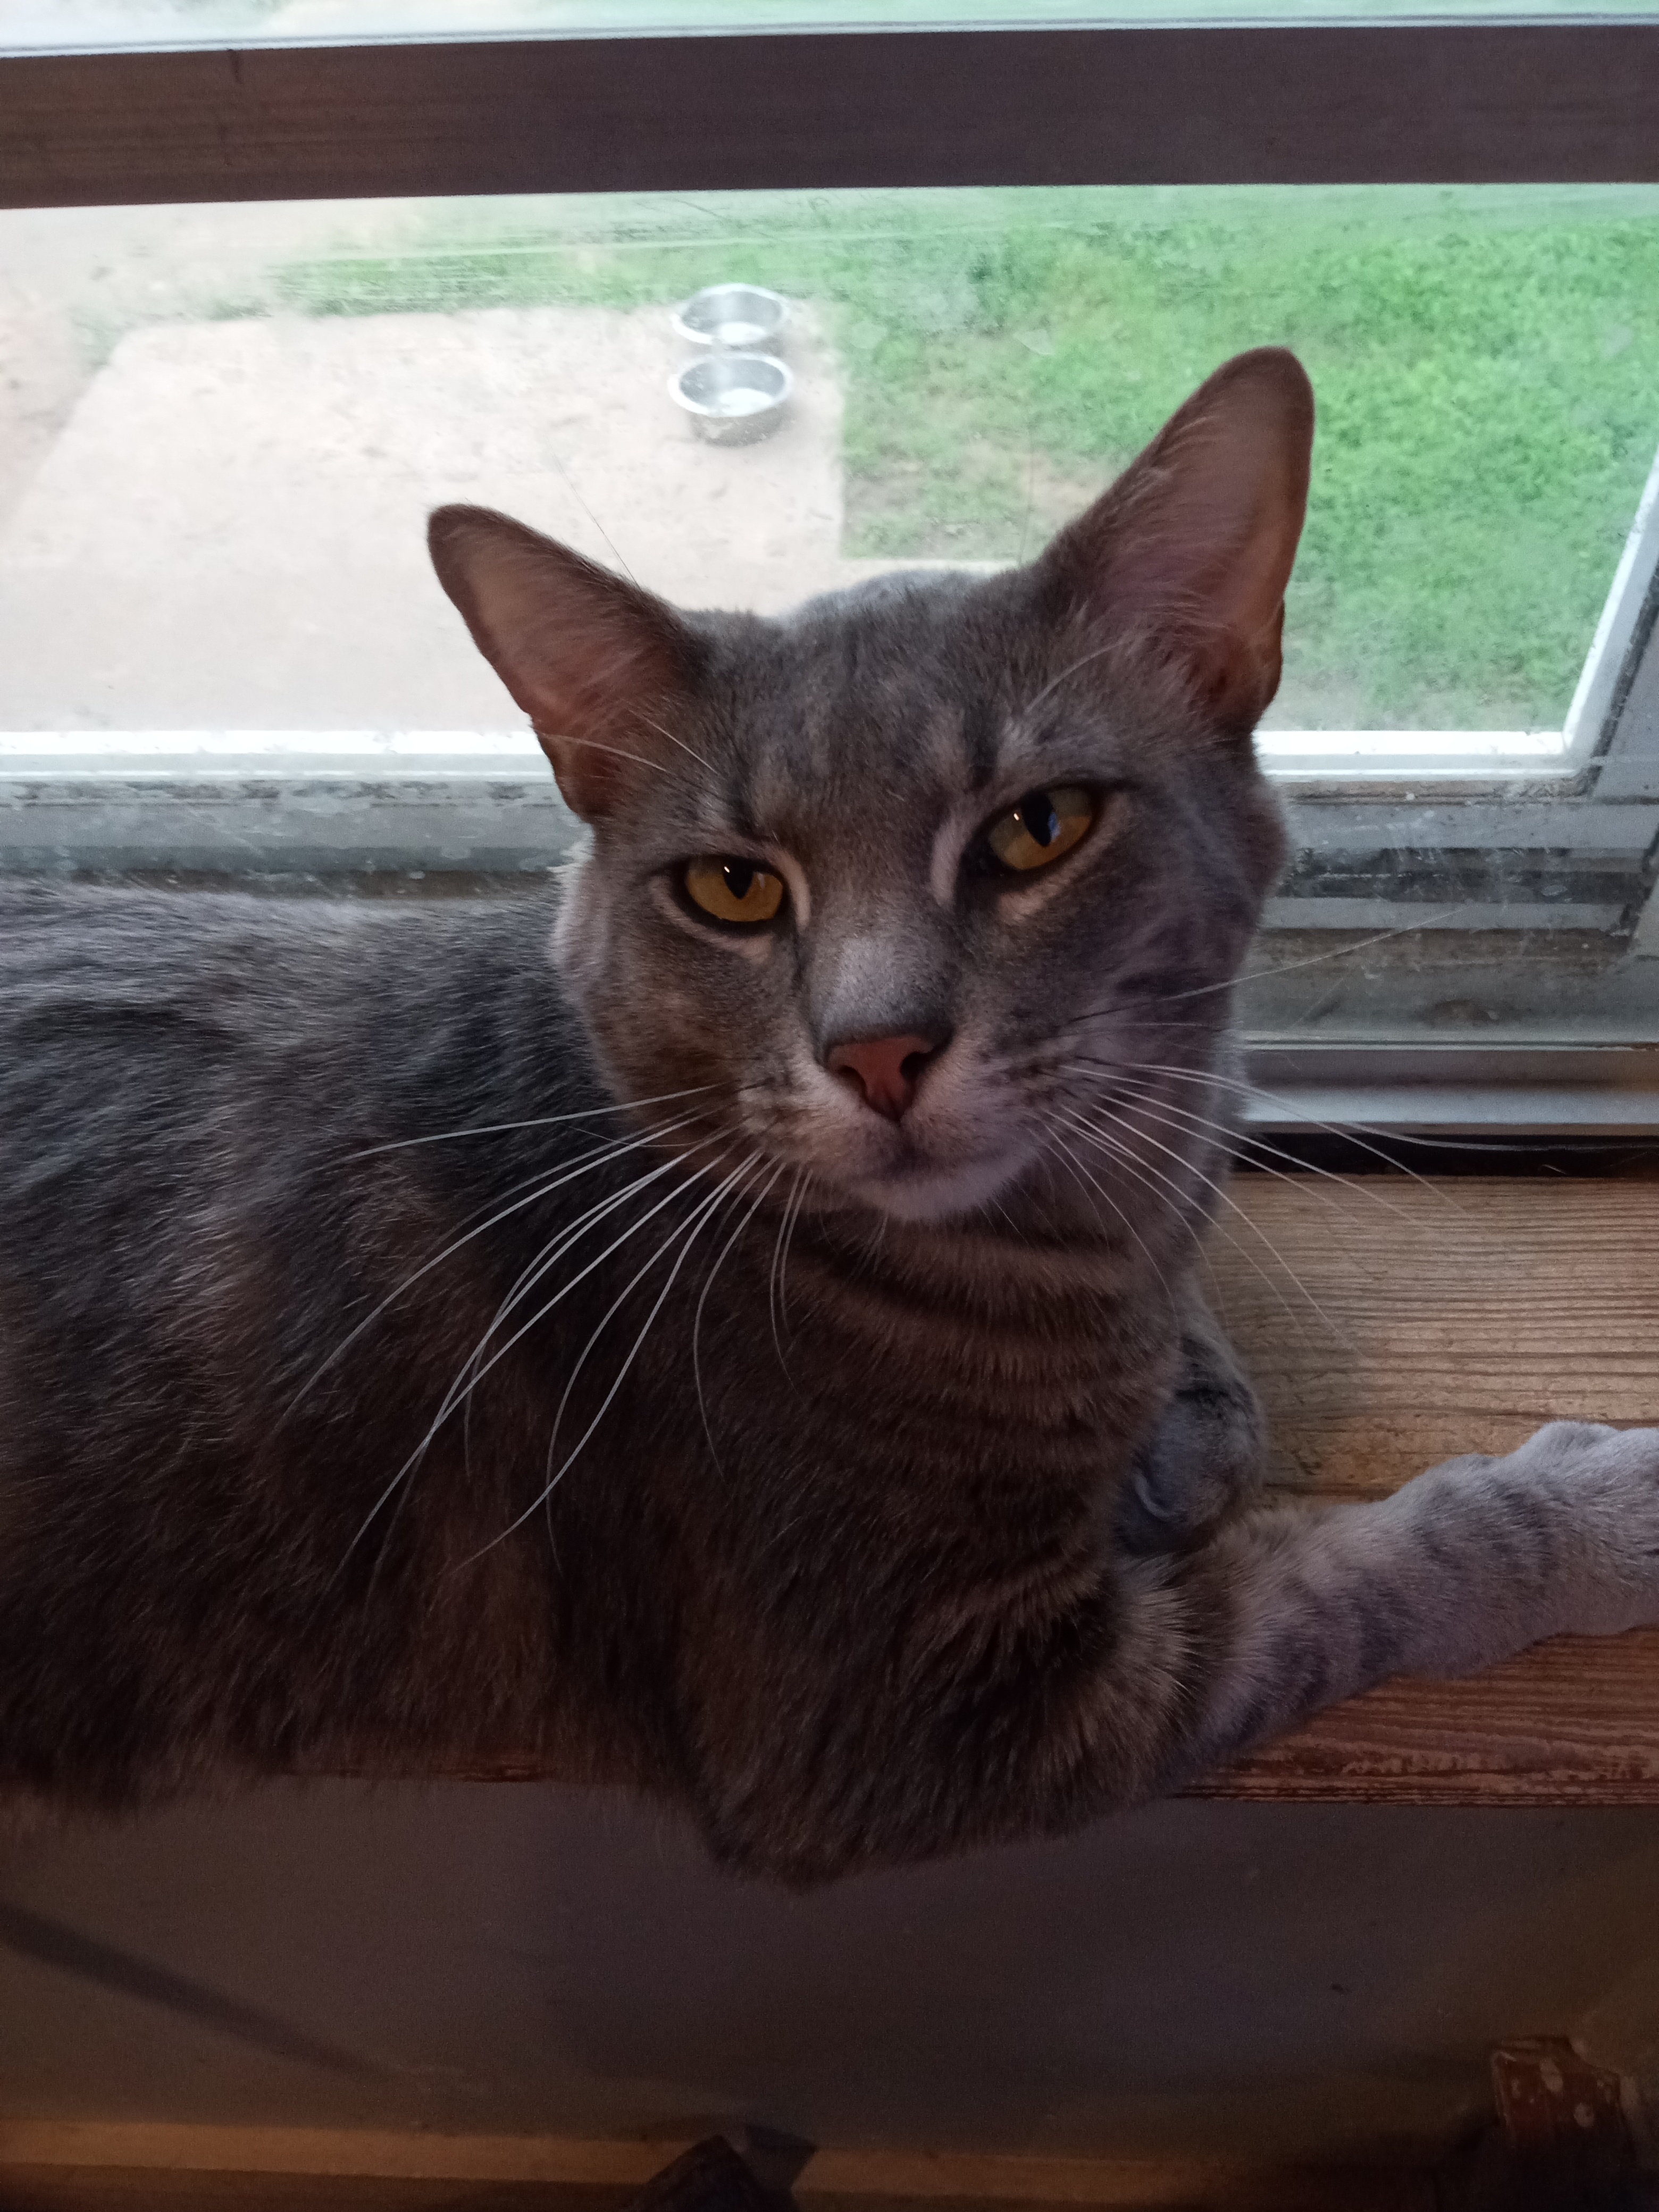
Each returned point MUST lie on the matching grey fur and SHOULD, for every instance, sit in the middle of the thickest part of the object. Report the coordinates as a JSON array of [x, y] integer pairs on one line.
[[869, 1488], [1208, 1454]]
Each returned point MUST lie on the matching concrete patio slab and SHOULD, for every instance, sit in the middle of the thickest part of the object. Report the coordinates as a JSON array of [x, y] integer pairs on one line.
[[229, 530]]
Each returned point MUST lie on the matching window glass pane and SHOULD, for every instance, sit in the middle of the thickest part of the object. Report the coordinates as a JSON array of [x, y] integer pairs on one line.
[[229, 423], [221, 429], [67, 25]]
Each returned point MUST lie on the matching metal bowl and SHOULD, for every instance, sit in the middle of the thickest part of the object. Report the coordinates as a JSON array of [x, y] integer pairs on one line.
[[732, 398], [732, 317]]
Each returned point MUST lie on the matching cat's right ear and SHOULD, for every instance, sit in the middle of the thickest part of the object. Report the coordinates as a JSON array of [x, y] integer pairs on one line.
[[601, 668]]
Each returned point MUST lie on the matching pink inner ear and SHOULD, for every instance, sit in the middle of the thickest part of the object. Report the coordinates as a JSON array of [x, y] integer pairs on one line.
[[590, 684], [597, 664], [1193, 545]]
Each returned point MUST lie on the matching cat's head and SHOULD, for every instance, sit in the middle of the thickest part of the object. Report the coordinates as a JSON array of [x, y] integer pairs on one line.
[[907, 876]]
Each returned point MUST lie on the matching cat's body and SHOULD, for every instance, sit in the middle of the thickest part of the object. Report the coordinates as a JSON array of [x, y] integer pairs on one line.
[[752, 1358], [195, 1576]]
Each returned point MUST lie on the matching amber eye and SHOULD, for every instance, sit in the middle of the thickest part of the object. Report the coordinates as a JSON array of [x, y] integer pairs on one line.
[[733, 890], [1045, 824]]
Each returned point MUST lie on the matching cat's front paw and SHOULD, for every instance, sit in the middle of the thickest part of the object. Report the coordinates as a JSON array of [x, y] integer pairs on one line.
[[1558, 1537], [1206, 1457], [1601, 1485]]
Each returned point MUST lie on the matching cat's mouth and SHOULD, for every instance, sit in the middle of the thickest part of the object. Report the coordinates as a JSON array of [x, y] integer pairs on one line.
[[965, 1138], [925, 1189], [919, 1173]]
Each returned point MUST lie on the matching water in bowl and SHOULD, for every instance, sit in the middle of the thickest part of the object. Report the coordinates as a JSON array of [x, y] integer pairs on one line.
[[741, 399]]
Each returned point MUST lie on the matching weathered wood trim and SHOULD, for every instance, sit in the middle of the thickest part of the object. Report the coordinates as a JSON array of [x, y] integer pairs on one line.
[[1392, 1324], [1218, 104], [132, 2153]]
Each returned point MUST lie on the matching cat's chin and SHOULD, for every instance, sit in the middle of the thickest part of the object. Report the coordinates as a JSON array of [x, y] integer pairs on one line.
[[922, 1191]]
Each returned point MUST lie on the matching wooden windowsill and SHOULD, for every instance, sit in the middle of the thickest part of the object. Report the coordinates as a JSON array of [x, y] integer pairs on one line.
[[1435, 1318]]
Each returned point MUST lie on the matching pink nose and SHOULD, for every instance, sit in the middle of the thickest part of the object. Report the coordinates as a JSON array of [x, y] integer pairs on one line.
[[883, 1068]]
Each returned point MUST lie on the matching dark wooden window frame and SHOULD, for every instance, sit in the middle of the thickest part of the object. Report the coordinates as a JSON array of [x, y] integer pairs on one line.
[[1344, 102]]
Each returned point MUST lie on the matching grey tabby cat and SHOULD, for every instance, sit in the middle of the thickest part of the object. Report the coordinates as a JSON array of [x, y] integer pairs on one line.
[[735, 1334]]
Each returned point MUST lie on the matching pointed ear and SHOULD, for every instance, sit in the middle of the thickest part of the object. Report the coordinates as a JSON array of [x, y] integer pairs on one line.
[[601, 667], [1192, 546]]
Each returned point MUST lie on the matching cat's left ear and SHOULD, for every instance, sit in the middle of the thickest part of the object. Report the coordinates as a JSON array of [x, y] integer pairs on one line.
[[601, 668], [1192, 548]]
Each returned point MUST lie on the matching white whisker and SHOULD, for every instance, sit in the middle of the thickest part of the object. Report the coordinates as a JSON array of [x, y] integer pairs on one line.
[[616, 752], [562, 1241], [1136, 1007], [570, 1234], [772, 1271], [585, 1164], [651, 723], [567, 1239], [783, 1264], [1117, 1149], [697, 1318], [538, 1122], [1325, 1129], [450, 1400], [1058, 1144], [1183, 1119], [572, 487], [687, 1233], [1030, 707]]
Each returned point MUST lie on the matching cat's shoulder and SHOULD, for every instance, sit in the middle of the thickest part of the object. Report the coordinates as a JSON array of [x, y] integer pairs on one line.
[[222, 949], [35, 913]]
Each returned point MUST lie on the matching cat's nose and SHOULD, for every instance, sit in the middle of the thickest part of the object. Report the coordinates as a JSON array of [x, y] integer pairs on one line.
[[884, 1069]]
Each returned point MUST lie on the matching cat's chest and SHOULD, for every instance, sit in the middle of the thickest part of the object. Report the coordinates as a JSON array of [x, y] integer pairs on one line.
[[871, 1370]]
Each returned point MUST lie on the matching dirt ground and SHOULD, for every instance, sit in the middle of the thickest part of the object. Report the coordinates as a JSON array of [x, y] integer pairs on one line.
[[211, 514]]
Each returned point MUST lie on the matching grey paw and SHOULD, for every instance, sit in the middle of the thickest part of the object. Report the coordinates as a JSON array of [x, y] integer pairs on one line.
[[1559, 1537], [1204, 1459], [1601, 1486]]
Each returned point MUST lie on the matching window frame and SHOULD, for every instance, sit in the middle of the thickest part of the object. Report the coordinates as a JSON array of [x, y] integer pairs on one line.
[[1402, 101], [1332, 102], [1595, 811]]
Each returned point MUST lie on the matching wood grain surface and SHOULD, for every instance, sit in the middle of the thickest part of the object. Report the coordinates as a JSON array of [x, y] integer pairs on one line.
[[97, 2165], [1390, 1324]]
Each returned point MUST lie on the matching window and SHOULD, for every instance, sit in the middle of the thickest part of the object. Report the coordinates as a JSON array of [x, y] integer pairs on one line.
[[98, 26], [221, 655]]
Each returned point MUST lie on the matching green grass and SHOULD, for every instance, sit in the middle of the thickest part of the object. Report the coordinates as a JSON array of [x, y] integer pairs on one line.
[[1487, 366]]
